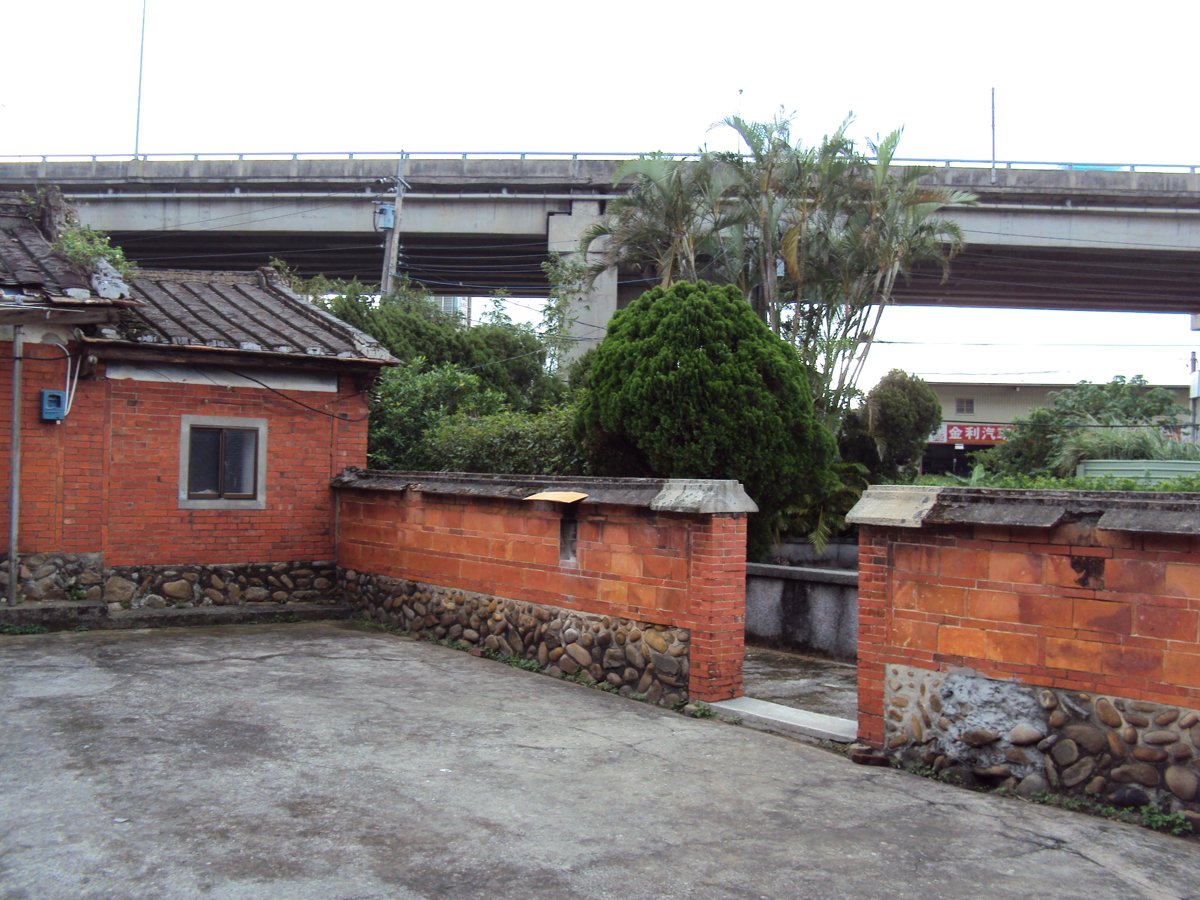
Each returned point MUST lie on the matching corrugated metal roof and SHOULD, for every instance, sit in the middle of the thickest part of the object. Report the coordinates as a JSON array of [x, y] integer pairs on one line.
[[248, 311]]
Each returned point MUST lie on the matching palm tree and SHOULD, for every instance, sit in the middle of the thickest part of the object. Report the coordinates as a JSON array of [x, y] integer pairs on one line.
[[657, 226], [815, 239], [868, 223], [755, 194]]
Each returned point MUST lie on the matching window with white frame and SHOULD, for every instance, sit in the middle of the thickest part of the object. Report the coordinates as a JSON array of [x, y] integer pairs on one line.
[[964, 406], [222, 463]]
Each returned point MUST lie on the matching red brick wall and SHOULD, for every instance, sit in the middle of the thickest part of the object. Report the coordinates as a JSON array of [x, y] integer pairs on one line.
[[1071, 607], [62, 466], [106, 479], [662, 568]]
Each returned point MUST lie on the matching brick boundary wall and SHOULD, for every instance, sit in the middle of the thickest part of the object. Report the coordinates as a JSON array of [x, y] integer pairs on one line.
[[1090, 599], [666, 553]]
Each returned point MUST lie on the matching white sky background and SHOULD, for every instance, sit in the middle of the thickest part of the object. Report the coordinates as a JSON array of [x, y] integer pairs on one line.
[[1075, 82]]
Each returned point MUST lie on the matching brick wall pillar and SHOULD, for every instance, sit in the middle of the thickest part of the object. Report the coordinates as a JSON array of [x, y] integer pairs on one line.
[[717, 600], [872, 631]]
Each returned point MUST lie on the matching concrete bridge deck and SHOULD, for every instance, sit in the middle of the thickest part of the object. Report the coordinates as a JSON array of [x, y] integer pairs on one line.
[[1067, 237]]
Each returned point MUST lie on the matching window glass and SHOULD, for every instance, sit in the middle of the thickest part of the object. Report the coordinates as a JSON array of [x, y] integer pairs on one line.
[[222, 462], [241, 448], [204, 455]]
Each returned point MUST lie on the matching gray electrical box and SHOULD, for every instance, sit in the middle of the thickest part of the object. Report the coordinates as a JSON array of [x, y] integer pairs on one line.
[[54, 406], [385, 217]]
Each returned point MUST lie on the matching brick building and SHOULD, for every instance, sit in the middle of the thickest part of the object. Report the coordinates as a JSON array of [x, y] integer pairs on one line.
[[187, 418]]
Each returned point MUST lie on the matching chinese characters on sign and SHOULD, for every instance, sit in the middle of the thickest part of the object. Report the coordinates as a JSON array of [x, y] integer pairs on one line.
[[969, 433]]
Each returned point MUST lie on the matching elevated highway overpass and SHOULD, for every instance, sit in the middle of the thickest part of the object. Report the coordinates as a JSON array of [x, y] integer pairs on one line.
[[1043, 236]]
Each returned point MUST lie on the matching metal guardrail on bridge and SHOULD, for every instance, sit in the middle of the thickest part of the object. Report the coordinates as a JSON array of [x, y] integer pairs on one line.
[[556, 155]]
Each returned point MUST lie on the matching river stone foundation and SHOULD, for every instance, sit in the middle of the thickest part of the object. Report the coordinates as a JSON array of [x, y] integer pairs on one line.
[[57, 576], [232, 585], [1033, 740], [637, 659]]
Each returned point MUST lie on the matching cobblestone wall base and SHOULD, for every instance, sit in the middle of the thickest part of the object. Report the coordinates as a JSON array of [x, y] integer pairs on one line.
[[57, 576], [1033, 739], [636, 659], [184, 586]]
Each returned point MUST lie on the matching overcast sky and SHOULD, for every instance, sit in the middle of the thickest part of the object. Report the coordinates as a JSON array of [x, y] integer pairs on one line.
[[1075, 82]]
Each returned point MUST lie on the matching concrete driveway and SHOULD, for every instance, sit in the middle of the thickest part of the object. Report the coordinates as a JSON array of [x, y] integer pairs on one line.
[[314, 760]]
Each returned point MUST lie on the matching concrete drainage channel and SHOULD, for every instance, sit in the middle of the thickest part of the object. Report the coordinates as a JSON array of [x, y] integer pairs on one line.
[[796, 694], [811, 603]]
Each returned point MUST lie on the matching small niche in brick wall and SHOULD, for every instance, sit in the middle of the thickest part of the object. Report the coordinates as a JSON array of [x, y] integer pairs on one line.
[[568, 533], [568, 523]]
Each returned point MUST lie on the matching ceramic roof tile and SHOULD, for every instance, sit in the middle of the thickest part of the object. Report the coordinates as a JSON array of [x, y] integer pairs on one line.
[[28, 263], [240, 310]]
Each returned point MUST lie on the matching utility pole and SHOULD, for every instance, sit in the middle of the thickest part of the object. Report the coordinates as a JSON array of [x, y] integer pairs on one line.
[[1193, 392], [391, 255], [14, 468], [993, 135]]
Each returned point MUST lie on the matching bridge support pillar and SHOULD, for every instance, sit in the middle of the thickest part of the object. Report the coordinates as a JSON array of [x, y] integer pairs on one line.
[[593, 308]]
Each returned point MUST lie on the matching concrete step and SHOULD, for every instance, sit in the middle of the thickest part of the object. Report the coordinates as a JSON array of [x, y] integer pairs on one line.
[[768, 716]]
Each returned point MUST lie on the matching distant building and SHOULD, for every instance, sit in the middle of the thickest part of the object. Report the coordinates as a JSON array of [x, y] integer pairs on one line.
[[455, 306], [976, 416]]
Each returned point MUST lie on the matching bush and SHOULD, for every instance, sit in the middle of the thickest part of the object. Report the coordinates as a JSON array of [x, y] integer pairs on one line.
[[506, 358], [508, 443], [890, 432], [84, 246], [689, 383], [1143, 442], [410, 401], [1039, 443]]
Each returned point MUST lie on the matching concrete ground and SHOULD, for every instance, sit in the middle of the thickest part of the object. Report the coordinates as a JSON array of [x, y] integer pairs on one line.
[[315, 760]]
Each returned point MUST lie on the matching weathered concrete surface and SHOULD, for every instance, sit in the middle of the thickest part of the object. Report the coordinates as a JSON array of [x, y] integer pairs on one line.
[[313, 760], [804, 609], [58, 615], [812, 683], [915, 506]]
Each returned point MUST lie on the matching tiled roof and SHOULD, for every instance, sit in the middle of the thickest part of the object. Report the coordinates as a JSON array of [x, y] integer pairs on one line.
[[29, 266], [238, 311]]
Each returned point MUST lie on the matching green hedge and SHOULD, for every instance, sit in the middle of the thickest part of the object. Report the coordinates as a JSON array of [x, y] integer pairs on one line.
[[508, 443]]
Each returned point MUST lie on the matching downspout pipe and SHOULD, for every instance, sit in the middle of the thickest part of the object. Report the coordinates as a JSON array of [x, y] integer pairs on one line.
[[14, 468]]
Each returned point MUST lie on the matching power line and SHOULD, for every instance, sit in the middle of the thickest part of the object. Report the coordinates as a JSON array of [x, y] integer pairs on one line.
[[1025, 344]]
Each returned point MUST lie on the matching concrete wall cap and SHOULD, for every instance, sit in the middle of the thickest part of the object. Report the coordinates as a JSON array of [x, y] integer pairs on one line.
[[803, 573], [912, 506], [699, 496], [894, 505], [703, 496]]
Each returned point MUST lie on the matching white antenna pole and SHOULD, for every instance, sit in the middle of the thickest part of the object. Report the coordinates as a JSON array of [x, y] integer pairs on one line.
[[993, 135], [137, 128]]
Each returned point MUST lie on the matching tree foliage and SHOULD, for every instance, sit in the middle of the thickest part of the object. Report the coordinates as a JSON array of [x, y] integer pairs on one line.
[[689, 383], [482, 398], [411, 400], [815, 239], [1038, 443], [888, 434], [508, 442], [567, 275], [506, 358]]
